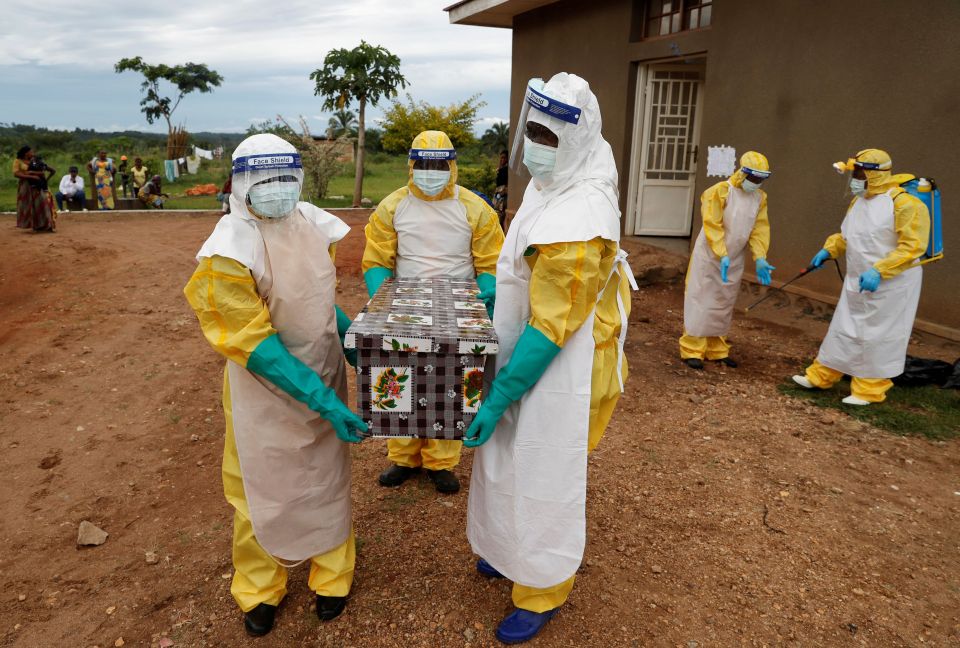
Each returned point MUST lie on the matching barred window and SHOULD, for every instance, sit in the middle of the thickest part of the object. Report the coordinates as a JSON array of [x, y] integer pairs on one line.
[[665, 17]]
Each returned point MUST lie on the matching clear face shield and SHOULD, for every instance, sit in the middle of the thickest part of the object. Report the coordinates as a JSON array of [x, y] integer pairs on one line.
[[268, 184], [536, 138], [431, 169], [855, 174], [753, 178]]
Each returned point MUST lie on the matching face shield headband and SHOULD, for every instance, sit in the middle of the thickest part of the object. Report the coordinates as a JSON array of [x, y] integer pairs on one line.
[[851, 163], [552, 107], [755, 175], [267, 162], [432, 154]]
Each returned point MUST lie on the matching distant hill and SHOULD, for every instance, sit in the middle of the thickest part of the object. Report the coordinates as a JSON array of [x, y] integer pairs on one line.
[[13, 136]]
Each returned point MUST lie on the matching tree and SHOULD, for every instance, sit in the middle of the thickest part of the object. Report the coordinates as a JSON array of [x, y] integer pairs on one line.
[[365, 74], [186, 78], [342, 124], [277, 127], [403, 122], [321, 158], [496, 138]]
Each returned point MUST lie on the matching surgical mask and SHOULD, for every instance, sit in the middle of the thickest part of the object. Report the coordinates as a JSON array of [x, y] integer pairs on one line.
[[430, 182], [274, 199], [858, 187], [749, 187], [539, 159]]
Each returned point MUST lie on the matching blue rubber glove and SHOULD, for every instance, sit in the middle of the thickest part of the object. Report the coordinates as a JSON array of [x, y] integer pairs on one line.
[[343, 323], [488, 291], [724, 268], [531, 357], [274, 362], [819, 258], [763, 271], [374, 278], [870, 280]]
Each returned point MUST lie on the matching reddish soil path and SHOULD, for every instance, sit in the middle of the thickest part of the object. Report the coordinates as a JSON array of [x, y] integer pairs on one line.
[[720, 512]]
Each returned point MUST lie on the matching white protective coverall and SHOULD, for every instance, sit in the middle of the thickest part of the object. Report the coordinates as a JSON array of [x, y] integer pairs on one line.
[[561, 270]]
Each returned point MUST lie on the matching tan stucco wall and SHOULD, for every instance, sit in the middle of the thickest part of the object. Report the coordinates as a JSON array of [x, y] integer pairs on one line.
[[805, 82]]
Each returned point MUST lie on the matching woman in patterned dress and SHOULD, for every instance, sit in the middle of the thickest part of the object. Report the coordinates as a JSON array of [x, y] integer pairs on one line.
[[34, 206], [102, 168]]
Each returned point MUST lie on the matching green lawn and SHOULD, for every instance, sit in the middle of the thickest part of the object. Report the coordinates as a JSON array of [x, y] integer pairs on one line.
[[383, 175], [914, 411]]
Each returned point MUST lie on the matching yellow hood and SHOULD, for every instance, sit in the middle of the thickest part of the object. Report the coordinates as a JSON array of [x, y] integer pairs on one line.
[[751, 160], [432, 140]]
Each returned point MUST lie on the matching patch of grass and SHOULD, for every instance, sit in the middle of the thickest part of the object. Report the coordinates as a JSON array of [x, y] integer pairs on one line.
[[927, 411]]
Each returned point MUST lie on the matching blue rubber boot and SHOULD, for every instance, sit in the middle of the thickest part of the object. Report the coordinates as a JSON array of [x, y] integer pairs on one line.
[[523, 625], [486, 569]]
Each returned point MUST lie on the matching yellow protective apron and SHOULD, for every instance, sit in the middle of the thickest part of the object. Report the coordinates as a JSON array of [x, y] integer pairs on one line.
[[296, 473], [708, 302]]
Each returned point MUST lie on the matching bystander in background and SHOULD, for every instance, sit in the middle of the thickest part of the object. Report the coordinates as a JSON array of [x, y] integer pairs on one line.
[[71, 188], [102, 168]]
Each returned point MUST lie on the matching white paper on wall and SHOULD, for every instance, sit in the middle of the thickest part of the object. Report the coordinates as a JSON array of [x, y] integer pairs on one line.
[[721, 161]]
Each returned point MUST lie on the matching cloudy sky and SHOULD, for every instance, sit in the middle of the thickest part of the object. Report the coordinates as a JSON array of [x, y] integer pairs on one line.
[[56, 59]]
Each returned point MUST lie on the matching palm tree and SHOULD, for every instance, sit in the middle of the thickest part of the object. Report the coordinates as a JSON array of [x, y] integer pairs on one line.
[[343, 122], [365, 74], [497, 136]]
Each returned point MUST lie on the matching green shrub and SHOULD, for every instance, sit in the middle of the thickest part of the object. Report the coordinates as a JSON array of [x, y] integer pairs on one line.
[[481, 178]]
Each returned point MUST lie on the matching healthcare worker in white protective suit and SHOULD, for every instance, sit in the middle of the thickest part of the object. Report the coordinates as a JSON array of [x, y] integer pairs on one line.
[[563, 301], [884, 232], [431, 227], [264, 294], [734, 220]]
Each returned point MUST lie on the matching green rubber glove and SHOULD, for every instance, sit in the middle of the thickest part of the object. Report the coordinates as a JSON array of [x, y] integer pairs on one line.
[[274, 362], [531, 357], [374, 278], [343, 323], [488, 290]]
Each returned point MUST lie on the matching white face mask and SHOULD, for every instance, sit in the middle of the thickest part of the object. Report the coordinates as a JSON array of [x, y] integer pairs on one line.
[[858, 187], [274, 199], [539, 159], [431, 182], [749, 187]]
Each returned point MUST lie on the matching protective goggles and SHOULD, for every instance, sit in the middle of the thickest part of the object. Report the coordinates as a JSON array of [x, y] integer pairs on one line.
[[853, 163], [755, 175], [267, 162]]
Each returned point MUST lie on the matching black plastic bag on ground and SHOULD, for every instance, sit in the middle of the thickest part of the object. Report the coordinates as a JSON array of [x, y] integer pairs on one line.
[[953, 382], [924, 371]]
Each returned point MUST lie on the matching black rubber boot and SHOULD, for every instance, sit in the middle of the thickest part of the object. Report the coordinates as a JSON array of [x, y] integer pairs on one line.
[[444, 481], [259, 620], [396, 475], [730, 362], [694, 363], [330, 607]]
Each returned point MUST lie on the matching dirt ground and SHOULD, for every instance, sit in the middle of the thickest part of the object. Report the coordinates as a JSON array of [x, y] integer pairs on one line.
[[720, 511]]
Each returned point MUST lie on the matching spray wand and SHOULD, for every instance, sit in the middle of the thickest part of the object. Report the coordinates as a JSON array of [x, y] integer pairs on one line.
[[810, 268]]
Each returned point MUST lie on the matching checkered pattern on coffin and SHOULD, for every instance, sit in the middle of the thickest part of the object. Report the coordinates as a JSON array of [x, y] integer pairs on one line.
[[433, 375], [371, 330]]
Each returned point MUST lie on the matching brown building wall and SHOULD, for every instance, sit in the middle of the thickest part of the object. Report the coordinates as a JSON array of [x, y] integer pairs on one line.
[[807, 82]]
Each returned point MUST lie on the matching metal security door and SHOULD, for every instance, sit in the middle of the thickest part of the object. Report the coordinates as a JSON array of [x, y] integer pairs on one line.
[[665, 149]]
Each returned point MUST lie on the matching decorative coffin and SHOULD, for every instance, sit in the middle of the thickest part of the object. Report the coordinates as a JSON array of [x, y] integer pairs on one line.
[[421, 349]]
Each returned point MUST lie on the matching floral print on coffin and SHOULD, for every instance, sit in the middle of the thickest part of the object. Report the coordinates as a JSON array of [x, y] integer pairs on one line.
[[390, 389]]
